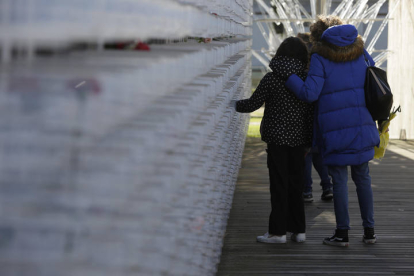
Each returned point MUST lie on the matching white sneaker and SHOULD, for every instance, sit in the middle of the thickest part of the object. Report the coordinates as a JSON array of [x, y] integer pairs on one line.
[[298, 237], [267, 238]]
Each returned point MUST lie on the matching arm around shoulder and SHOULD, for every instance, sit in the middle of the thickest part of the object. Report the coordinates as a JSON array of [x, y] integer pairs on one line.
[[310, 89]]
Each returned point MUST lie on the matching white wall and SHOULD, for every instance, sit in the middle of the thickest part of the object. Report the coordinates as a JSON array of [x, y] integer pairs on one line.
[[120, 163], [401, 67]]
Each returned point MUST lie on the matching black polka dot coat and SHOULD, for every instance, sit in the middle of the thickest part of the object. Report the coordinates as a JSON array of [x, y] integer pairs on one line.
[[287, 120]]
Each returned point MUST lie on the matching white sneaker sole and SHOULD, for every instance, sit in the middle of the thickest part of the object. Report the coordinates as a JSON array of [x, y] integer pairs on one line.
[[298, 238], [370, 241], [270, 240]]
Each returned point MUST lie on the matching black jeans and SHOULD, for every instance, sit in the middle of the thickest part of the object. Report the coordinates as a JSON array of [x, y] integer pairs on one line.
[[286, 169]]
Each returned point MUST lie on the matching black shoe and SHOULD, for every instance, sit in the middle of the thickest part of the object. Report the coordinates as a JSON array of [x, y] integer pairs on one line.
[[327, 194], [369, 236], [340, 238], [307, 197]]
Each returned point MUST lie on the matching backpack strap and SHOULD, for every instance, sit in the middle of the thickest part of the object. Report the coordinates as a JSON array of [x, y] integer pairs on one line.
[[366, 60]]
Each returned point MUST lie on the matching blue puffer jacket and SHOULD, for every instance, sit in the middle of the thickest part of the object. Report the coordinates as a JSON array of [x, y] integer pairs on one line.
[[343, 128]]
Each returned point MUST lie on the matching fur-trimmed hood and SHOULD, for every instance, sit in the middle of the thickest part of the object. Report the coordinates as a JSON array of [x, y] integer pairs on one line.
[[339, 44]]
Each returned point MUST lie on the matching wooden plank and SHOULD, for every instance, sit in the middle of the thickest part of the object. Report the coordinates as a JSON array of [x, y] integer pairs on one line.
[[392, 181]]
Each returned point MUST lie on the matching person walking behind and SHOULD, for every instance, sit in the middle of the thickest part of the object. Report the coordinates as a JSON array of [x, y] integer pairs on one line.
[[287, 129], [345, 132], [314, 157]]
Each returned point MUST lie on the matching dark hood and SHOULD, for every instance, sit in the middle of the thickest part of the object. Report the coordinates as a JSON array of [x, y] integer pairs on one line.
[[340, 43], [285, 66]]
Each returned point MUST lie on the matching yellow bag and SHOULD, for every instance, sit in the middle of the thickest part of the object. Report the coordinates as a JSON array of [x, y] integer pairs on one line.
[[384, 135]]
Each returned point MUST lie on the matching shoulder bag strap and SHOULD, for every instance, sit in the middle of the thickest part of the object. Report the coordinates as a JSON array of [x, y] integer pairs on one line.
[[366, 60]]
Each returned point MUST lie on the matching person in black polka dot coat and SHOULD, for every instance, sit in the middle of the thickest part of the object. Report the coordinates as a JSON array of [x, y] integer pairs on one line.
[[287, 129], [287, 120]]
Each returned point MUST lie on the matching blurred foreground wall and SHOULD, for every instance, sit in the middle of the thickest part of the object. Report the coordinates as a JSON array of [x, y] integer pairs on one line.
[[400, 69], [120, 162]]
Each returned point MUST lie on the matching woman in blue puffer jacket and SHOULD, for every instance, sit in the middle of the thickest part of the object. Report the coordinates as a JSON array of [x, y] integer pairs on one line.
[[344, 130]]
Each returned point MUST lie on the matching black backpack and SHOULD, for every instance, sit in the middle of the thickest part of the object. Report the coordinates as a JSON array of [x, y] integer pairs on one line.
[[378, 96]]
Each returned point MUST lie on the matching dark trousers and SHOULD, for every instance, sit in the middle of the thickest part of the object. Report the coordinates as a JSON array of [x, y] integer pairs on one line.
[[286, 171]]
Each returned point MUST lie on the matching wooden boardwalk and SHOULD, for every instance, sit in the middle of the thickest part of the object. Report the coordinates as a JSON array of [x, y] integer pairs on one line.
[[393, 185]]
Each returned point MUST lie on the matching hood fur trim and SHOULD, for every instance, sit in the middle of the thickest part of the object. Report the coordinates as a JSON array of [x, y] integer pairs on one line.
[[337, 53]]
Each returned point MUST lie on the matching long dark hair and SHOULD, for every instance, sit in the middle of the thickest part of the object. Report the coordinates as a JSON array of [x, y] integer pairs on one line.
[[294, 47]]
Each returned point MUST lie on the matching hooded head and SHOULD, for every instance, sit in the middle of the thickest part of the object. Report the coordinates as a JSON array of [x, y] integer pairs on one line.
[[321, 25], [291, 57], [341, 35], [339, 43]]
